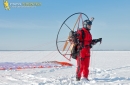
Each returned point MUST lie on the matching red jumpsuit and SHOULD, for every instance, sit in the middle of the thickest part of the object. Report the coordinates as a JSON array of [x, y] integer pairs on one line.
[[84, 56]]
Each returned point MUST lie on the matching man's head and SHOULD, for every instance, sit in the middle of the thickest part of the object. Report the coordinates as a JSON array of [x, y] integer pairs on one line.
[[87, 24]]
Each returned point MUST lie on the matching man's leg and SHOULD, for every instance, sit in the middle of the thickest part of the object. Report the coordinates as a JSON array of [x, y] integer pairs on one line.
[[86, 67], [80, 63], [79, 69]]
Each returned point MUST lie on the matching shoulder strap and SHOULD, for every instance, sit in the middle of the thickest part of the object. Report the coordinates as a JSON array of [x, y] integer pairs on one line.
[[83, 35]]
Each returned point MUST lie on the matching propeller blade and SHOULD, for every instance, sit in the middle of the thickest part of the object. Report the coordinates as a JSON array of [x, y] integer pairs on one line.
[[71, 46], [65, 45]]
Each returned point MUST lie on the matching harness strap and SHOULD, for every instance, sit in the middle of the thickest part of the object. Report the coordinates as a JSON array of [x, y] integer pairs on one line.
[[83, 35]]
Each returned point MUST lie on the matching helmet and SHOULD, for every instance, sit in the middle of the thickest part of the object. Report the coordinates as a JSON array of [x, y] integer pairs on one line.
[[87, 22]]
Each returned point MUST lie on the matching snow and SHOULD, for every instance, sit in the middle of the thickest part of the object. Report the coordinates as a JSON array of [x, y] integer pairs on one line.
[[106, 68]]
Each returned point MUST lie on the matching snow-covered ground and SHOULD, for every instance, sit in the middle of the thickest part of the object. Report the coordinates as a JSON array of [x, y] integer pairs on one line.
[[106, 68]]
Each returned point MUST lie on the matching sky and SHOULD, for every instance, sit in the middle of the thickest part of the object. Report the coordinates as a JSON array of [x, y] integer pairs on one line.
[[36, 28]]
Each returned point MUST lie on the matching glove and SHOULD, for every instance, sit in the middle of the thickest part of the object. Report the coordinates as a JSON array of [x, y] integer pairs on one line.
[[94, 41]]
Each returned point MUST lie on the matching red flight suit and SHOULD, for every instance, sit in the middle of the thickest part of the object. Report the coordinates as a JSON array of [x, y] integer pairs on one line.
[[84, 56]]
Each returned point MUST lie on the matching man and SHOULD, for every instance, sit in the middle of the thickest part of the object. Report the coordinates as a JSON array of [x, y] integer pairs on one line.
[[82, 39], [83, 59]]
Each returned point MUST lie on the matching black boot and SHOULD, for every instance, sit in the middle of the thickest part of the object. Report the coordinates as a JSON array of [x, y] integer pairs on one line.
[[86, 78], [77, 78]]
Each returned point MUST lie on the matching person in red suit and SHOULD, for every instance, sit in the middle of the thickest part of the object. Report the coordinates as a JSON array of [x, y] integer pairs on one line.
[[83, 59], [82, 40]]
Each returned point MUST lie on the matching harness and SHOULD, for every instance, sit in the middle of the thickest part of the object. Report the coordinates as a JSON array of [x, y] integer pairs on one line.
[[78, 46]]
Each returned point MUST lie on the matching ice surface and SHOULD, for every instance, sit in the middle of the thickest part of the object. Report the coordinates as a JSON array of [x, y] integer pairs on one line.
[[106, 68]]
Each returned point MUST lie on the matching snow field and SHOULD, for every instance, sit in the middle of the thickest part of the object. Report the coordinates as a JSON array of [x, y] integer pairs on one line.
[[106, 68]]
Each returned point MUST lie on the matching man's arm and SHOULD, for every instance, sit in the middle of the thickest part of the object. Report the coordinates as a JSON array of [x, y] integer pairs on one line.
[[94, 41]]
